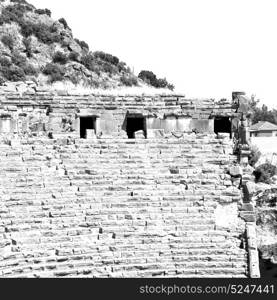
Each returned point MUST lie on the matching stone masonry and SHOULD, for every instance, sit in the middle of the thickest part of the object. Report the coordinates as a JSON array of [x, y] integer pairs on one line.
[[160, 204]]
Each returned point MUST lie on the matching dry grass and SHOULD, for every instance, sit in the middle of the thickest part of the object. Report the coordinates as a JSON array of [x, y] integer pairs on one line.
[[139, 90], [69, 87]]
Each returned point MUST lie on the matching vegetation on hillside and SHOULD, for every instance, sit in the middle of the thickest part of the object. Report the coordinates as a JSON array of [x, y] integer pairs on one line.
[[267, 198], [150, 78], [262, 113], [34, 46], [265, 172]]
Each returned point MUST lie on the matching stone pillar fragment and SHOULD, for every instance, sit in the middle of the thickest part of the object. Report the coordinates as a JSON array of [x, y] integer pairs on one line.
[[139, 134], [90, 134], [252, 250]]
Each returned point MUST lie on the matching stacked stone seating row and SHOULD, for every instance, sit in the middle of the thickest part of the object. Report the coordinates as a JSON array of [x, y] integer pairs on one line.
[[118, 208], [13, 100]]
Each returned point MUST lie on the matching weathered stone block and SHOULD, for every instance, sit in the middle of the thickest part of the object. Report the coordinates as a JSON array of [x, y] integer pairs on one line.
[[155, 133], [139, 134], [235, 171]]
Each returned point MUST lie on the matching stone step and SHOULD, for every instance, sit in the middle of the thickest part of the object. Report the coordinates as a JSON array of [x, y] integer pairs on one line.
[[110, 208], [103, 273]]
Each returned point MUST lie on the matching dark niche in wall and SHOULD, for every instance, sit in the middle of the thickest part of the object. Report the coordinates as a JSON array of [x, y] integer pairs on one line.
[[222, 124], [134, 124], [87, 123], [267, 268]]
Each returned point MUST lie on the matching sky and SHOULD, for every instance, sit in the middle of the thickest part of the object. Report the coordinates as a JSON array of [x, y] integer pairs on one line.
[[206, 48]]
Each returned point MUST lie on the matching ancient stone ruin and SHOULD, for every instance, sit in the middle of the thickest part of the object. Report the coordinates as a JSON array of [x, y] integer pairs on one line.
[[124, 186]]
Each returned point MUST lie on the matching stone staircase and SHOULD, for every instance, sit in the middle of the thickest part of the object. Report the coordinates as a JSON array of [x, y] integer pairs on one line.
[[118, 208]]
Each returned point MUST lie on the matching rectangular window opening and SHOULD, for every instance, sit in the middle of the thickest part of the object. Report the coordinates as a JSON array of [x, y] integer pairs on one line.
[[135, 124], [223, 124], [87, 123]]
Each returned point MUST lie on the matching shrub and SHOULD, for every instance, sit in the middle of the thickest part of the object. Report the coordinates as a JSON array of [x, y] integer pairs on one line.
[[48, 12], [93, 83], [27, 29], [19, 1], [2, 80], [121, 66], [254, 156], [128, 80], [97, 65], [54, 71], [150, 78], [13, 73], [12, 13], [108, 68], [43, 12], [106, 57], [73, 56], [88, 61], [170, 86], [265, 172], [2, 20], [44, 33], [162, 83], [27, 44], [19, 60], [82, 44], [5, 62], [267, 198], [30, 70], [8, 41], [60, 58], [63, 21]]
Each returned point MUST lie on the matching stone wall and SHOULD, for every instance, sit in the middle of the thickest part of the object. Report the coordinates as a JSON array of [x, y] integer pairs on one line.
[[39, 110], [120, 208], [110, 206]]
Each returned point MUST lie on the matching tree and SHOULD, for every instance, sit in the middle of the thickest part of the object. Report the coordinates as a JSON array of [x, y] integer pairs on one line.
[[263, 113], [150, 78], [265, 172], [60, 58]]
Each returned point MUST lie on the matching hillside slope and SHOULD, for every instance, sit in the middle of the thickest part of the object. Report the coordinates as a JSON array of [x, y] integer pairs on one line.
[[33, 46]]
